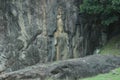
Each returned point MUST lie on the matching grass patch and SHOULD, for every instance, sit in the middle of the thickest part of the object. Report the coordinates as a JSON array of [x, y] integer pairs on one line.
[[113, 75], [112, 47]]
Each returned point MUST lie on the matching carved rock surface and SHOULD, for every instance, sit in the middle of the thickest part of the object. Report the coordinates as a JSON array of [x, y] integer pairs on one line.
[[40, 31]]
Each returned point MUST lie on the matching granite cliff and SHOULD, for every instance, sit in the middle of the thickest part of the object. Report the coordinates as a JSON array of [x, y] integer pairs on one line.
[[40, 31]]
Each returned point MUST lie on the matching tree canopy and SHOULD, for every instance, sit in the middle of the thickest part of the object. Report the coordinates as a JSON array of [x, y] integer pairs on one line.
[[104, 11]]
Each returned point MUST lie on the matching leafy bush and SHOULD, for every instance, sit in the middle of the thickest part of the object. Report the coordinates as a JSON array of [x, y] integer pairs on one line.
[[103, 11]]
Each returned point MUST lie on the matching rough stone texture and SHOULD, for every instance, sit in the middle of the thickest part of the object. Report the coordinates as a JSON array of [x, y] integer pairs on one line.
[[72, 69], [39, 31]]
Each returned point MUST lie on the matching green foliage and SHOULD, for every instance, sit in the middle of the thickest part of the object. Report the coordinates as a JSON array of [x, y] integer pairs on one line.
[[112, 46], [106, 11], [113, 75]]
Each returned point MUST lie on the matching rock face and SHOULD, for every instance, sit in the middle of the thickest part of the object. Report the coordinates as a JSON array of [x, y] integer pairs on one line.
[[72, 69], [39, 31]]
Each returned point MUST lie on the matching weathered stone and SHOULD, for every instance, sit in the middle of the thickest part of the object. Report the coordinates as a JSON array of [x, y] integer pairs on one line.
[[39, 31], [72, 69]]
